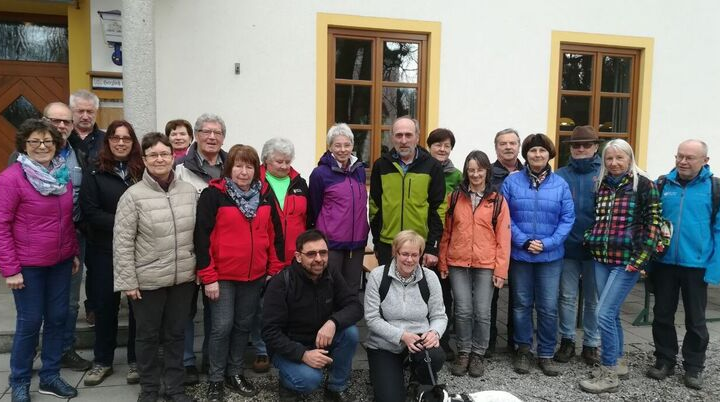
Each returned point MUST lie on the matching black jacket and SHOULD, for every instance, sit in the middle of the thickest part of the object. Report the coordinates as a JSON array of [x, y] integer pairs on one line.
[[87, 149], [99, 196], [292, 315], [191, 163], [499, 173]]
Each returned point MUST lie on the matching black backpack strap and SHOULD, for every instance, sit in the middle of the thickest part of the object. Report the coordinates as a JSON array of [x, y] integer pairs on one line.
[[453, 201], [384, 286], [496, 209], [661, 184], [715, 199], [424, 291]]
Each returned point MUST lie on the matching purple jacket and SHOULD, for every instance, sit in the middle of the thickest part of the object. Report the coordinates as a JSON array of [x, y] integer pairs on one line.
[[35, 230], [339, 198]]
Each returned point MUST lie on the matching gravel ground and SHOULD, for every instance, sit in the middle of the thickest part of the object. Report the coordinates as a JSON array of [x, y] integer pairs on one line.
[[536, 386]]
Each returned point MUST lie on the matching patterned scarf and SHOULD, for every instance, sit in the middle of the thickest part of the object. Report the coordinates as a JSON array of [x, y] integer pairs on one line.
[[46, 181], [246, 201], [537, 178]]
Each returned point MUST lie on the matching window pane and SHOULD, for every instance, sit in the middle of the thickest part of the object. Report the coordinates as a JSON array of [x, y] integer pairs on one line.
[[353, 59], [398, 102], [25, 41], [574, 111], [563, 151], [352, 104], [616, 74], [385, 141], [20, 110], [400, 62], [362, 148], [577, 72], [614, 115]]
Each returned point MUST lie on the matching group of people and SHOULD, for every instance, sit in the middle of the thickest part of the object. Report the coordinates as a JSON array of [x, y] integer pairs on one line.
[[278, 262]]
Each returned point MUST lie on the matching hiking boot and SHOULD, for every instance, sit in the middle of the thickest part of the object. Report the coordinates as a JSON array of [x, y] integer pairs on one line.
[[622, 369], [192, 376], [661, 370], [133, 376], [521, 362], [215, 391], [604, 379], [97, 374], [460, 366], [21, 393], [341, 396], [548, 367], [147, 396], [59, 388], [73, 361], [261, 364], [590, 355], [287, 395], [477, 365], [241, 385], [693, 380], [566, 351]]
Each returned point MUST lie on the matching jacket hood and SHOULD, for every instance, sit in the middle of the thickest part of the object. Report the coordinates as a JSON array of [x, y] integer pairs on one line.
[[327, 159], [585, 165]]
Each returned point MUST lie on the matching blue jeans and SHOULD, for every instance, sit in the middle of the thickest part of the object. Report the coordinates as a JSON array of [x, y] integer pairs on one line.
[[536, 284], [74, 298], [473, 292], [301, 378], [42, 302], [613, 285], [256, 331], [569, 287]]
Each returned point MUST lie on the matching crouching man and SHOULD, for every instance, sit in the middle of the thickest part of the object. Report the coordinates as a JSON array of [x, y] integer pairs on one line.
[[309, 323]]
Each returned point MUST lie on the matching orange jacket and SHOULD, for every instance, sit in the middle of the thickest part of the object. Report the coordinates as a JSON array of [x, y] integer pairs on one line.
[[469, 240]]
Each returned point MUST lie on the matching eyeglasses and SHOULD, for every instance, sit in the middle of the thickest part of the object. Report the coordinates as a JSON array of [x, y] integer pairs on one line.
[[689, 159], [585, 145], [414, 256], [314, 253], [116, 140], [161, 155], [57, 122], [36, 143], [205, 132]]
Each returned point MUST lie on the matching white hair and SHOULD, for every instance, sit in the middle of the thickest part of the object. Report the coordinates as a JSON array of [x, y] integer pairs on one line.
[[278, 145], [337, 130], [84, 94], [620, 145], [210, 118]]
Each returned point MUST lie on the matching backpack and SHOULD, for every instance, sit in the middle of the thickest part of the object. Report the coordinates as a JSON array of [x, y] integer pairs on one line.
[[715, 195], [385, 287], [497, 206]]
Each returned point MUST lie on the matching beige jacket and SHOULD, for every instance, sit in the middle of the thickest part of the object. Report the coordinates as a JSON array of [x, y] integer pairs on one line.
[[153, 236]]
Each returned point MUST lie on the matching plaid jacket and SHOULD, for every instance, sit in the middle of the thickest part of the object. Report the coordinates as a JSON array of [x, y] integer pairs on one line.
[[627, 223]]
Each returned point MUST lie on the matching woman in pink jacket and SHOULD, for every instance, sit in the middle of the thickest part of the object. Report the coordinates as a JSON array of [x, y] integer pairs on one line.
[[38, 254]]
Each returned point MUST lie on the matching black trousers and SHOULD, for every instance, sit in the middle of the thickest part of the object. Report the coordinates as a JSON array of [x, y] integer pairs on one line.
[[669, 281], [162, 313], [107, 303], [388, 376], [493, 319]]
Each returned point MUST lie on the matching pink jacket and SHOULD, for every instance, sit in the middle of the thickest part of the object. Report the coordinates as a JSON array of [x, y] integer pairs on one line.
[[35, 230]]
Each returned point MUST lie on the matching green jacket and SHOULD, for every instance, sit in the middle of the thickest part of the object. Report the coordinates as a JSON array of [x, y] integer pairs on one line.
[[453, 177], [400, 201]]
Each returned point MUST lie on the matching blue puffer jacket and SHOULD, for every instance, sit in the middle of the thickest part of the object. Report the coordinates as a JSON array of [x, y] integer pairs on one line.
[[694, 243], [580, 174], [546, 214]]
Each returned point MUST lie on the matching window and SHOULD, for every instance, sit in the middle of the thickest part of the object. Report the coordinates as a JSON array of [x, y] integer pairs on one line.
[[598, 86], [373, 78]]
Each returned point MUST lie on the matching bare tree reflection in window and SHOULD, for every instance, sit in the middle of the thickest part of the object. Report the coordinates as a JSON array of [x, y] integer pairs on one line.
[[400, 62]]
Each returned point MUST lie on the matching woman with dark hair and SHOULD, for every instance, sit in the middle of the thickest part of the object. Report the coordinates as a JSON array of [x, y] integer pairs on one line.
[[542, 215], [119, 166], [38, 254], [235, 254], [154, 264], [475, 253], [180, 134]]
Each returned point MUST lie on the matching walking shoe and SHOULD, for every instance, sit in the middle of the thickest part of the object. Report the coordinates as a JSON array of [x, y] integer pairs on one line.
[[147, 396], [590, 355], [21, 393], [215, 391], [548, 367], [341, 396], [566, 351], [133, 376], [622, 369], [192, 376], [693, 380], [180, 397], [460, 366], [477, 365], [287, 395], [604, 379], [241, 385], [261, 364], [521, 362], [73, 361], [59, 388], [97, 374], [661, 370]]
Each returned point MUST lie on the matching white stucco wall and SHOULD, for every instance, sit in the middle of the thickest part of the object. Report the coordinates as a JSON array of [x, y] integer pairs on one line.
[[494, 65]]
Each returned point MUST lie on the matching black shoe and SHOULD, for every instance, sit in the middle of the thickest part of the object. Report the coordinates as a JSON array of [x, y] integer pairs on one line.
[[147, 396], [59, 388], [566, 351], [73, 361], [181, 397], [192, 376], [590, 355], [21, 393], [287, 395], [241, 385], [215, 391], [342, 396], [661, 370], [693, 380]]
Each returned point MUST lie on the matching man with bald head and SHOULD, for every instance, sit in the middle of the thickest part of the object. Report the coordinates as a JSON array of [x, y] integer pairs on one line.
[[691, 262]]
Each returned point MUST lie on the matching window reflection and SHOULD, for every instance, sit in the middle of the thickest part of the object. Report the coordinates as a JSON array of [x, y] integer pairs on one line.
[[398, 102], [362, 144], [574, 111], [400, 62], [616, 74], [352, 104], [353, 59], [20, 110], [33, 42], [614, 115], [577, 71]]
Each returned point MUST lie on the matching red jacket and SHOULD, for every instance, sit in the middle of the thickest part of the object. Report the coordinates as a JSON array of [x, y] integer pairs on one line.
[[229, 246], [292, 220]]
